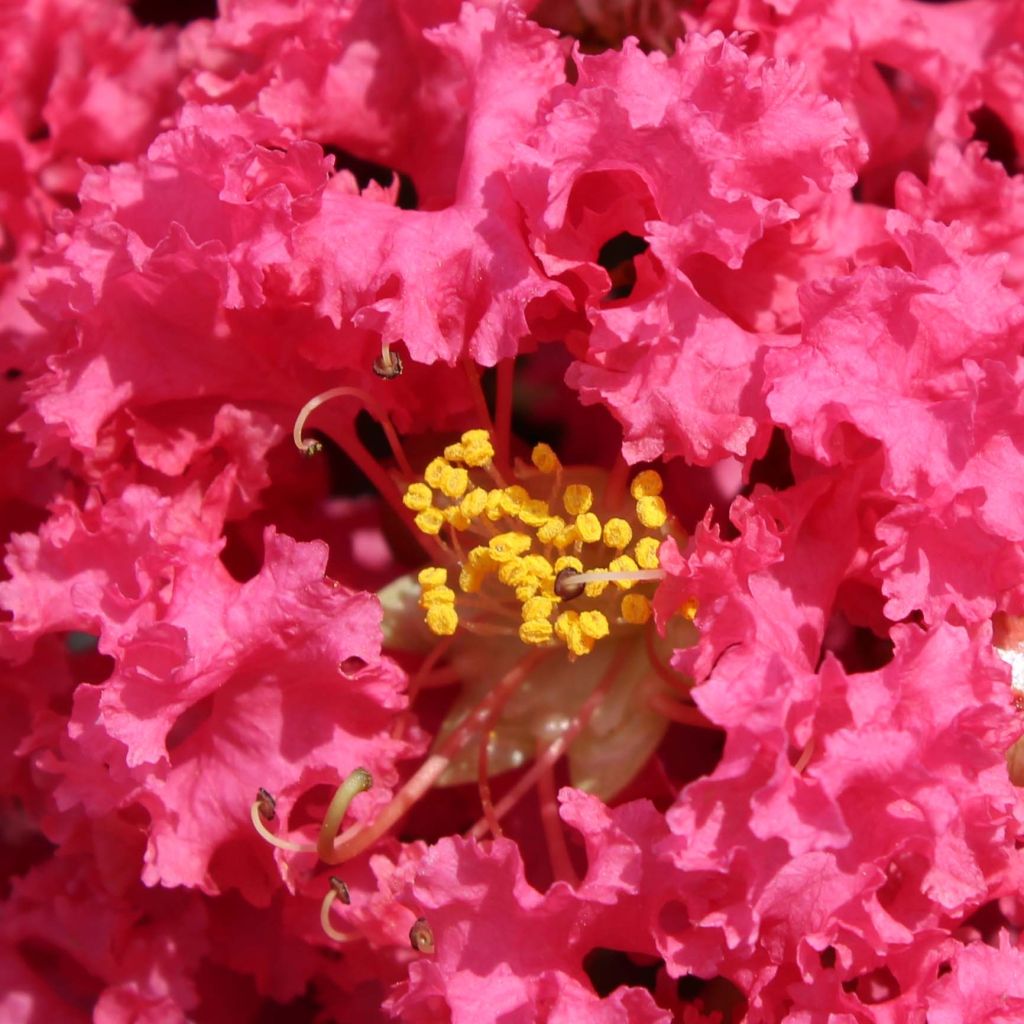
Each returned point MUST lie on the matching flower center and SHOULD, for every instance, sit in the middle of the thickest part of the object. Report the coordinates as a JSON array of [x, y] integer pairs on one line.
[[525, 550]]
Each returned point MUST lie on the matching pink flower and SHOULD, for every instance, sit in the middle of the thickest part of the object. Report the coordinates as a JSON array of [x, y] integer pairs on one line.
[[644, 644]]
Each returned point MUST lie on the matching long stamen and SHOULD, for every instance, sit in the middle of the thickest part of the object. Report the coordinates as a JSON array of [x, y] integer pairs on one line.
[[685, 714], [367, 464], [353, 841], [337, 891], [554, 836], [636, 575], [554, 750], [357, 782], [372, 406], [263, 807], [503, 412]]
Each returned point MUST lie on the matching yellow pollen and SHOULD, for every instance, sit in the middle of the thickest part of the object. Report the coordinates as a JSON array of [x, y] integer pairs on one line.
[[418, 497], [434, 471], [589, 527], [508, 545], [535, 631], [432, 576], [477, 449], [646, 550], [538, 608], [430, 521], [646, 484], [437, 595], [502, 563], [623, 564], [473, 504], [442, 619], [636, 609], [454, 481], [651, 511], [593, 624], [550, 529], [577, 499], [544, 458], [690, 608], [617, 533]]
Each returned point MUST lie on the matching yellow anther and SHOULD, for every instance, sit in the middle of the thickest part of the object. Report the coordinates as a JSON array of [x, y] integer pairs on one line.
[[495, 503], [509, 545], [534, 512], [482, 558], [539, 566], [535, 631], [646, 484], [623, 564], [568, 562], [646, 550], [551, 528], [538, 608], [568, 629], [636, 609], [477, 449], [437, 595], [430, 521], [418, 497], [595, 588], [593, 624], [526, 591], [577, 499], [544, 458], [566, 538], [454, 482], [442, 619], [434, 471], [432, 576], [455, 453], [456, 519], [651, 511], [470, 579], [690, 608], [617, 533], [589, 527], [474, 503], [512, 500]]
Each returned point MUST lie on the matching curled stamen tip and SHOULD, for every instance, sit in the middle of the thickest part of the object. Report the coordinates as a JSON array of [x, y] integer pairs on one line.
[[360, 778], [388, 365], [421, 938], [340, 889], [311, 448], [266, 804], [565, 589]]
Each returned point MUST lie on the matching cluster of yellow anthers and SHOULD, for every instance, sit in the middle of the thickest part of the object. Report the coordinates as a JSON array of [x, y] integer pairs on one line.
[[537, 549]]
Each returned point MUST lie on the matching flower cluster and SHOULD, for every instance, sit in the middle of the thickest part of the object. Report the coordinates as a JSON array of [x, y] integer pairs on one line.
[[644, 641]]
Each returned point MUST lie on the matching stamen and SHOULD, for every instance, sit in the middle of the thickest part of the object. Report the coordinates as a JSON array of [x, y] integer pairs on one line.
[[257, 812], [554, 836], [685, 714], [805, 757], [371, 405], [353, 841], [554, 750], [388, 364], [357, 782], [503, 411], [337, 891], [266, 803], [565, 589], [421, 937], [640, 575]]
